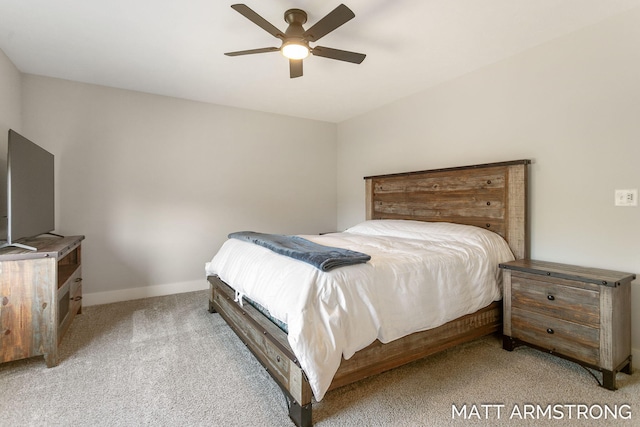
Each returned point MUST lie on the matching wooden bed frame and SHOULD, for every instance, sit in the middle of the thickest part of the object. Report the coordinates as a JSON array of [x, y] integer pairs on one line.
[[493, 196]]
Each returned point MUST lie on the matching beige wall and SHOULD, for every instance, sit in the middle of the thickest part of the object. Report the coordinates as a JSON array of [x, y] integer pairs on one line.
[[157, 183], [10, 118], [571, 105], [10, 102]]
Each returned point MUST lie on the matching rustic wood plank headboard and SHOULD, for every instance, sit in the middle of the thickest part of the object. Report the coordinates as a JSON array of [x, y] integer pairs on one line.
[[492, 196]]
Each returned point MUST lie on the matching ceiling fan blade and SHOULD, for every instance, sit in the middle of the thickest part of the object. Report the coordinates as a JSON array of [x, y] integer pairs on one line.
[[252, 51], [340, 55], [295, 68], [252, 16], [330, 22]]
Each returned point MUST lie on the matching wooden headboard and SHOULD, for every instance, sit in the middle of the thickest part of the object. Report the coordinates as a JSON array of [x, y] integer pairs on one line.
[[493, 196]]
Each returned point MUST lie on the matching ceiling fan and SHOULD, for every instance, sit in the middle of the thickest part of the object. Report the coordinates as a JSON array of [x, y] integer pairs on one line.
[[295, 40]]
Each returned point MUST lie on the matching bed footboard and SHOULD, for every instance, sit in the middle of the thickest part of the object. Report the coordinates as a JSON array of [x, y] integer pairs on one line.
[[270, 346]]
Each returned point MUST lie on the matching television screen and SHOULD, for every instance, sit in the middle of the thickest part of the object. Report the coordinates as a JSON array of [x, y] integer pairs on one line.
[[30, 189]]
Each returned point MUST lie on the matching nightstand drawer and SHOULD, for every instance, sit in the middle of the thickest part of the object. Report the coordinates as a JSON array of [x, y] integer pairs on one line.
[[557, 335], [554, 298]]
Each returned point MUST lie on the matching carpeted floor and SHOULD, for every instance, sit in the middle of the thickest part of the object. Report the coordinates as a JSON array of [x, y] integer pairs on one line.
[[167, 361]]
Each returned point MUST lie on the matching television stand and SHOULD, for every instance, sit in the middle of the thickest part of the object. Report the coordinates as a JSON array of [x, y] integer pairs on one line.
[[40, 295]]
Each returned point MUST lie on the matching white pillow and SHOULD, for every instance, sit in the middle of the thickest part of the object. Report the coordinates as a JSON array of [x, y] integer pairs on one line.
[[413, 229], [432, 231]]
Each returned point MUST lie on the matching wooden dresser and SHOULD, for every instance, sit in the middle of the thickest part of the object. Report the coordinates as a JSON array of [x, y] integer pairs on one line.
[[40, 294], [581, 314]]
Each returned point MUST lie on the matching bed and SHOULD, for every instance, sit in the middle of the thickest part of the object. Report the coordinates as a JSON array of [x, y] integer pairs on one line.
[[488, 196]]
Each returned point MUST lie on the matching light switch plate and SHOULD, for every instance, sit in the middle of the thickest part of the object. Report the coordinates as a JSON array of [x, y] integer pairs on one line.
[[626, 197]]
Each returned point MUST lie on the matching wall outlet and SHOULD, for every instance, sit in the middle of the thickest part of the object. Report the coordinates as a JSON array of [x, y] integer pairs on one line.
[[626, 197]]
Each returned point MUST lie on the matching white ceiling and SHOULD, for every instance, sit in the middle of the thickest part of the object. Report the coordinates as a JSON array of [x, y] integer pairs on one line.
[[175, 47]]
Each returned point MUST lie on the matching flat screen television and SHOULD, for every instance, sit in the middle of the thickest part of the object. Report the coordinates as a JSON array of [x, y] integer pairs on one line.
[[30, 190]]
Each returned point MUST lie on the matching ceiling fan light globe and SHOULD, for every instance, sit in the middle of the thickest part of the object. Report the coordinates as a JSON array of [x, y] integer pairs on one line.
[[295, 50]]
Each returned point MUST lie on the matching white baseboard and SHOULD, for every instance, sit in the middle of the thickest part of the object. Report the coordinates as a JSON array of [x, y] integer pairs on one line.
[[97, 298]]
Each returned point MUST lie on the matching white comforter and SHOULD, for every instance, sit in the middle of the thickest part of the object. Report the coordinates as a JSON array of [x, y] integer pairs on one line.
[[420, 276]]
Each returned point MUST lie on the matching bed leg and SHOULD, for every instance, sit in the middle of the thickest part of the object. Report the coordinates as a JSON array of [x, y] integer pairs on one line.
[[300, 415], [508, 343], [211, 309]]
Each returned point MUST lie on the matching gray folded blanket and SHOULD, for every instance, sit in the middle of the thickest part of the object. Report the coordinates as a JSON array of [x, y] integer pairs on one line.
[[322, 257]]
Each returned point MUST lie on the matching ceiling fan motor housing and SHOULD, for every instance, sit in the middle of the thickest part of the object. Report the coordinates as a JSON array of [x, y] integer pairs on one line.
[[294, 33]]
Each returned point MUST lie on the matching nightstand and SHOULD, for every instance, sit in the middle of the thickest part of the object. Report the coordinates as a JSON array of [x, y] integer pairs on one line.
[[578, 313]]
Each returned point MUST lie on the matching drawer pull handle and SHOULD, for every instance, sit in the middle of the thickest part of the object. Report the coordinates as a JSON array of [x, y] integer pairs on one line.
[[79, 279], [549, 331], [78, 298], [551, 297]]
